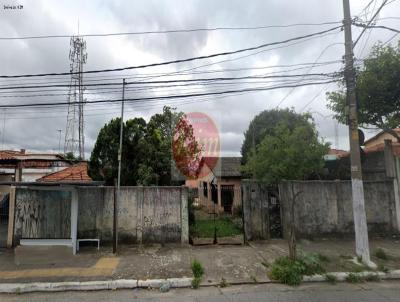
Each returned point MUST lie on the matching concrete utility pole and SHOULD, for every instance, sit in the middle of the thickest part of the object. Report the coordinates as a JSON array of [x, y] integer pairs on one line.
[[117, 196], [360, 219]]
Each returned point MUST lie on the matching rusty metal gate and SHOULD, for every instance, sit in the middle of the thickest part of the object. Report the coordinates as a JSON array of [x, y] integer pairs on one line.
[[261, 211]]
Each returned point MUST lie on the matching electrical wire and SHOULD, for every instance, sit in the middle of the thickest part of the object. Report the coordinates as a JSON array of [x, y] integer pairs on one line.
[[180, 60]]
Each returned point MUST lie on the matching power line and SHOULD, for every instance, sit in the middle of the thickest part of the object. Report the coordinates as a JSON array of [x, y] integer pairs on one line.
[[163, 97], [171, 81], [170, 31], [370, 21], [180, 60]]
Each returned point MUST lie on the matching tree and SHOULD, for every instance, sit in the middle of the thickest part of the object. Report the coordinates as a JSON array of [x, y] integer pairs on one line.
[[377, 90], [288, 152], [146, 150], [103, 164], [264, 124]]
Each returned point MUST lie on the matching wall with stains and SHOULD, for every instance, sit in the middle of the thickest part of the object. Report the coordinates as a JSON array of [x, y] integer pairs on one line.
[[145, 214], [324, 208]]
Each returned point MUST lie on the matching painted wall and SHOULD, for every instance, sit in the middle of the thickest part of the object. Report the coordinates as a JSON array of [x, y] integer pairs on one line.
[[325, 207], [145, 214]]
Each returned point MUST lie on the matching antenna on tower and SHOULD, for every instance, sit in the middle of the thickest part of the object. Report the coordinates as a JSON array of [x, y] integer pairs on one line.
[[74, 132]]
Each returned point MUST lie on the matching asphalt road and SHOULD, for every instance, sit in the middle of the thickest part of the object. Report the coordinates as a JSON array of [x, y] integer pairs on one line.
[[374, 292]]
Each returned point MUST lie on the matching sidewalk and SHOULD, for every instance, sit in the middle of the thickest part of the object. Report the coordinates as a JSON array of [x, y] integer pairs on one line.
[[234, 264]]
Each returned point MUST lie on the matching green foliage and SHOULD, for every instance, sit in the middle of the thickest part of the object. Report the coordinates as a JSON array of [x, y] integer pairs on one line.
[[377, 90], [291, 272], [381, 254], [264, 124], [146, 152], [330, 278], [354, 278], [312, 264], [71, 156], [206, 228], [196, 282], [197, 269], [287, 271], [289, 152]]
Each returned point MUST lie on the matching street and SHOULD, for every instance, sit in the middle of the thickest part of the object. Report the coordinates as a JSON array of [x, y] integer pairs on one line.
[[379, 291]]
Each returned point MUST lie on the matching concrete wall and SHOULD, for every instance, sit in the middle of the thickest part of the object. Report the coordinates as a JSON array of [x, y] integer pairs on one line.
[[325, 207], [145, 214]]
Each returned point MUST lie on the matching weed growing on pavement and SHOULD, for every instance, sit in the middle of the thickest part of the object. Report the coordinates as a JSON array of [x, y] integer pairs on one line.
[[330, 278], [381, 254], [291, 272], [253, 278], [197, 269], [198, 272], [196, 282], [354, 278], [359, 259]]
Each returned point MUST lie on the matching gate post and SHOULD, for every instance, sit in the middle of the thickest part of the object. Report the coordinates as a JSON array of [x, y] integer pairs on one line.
[[11, 218]]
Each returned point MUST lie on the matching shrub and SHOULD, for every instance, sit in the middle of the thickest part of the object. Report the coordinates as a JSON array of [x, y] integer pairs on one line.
[[197, 269], [287, 271], [354, 278], [312, 264], [196, 282], [331, 278], [291, 272], [381, 254]]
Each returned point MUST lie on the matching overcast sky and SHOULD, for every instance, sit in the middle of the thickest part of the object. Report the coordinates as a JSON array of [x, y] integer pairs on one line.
[[36, 130]]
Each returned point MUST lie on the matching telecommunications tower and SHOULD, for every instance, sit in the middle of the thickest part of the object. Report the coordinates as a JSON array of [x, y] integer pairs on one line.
[[74, 132]]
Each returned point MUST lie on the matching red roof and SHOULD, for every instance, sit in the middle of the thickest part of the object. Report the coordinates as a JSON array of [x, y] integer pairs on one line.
[[338, 152], [78, 173]]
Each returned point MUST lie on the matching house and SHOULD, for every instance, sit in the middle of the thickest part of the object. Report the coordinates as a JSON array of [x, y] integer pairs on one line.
[[75, 173], [380, 138], [27, 167], [218, 184]]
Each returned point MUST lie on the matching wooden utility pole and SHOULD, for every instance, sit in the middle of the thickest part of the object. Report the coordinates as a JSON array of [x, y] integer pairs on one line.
[[360, 219]]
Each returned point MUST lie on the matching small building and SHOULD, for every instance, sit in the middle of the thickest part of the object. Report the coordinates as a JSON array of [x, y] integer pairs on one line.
[[75, 173], [379, 139], [218, 184]]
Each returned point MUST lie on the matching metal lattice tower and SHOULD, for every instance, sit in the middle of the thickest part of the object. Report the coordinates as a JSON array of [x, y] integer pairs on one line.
[[74, 132]]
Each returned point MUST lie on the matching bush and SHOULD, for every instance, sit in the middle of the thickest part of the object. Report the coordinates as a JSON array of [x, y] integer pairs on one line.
[[312, 264], [291, 272], [197, 269], [287, 271]]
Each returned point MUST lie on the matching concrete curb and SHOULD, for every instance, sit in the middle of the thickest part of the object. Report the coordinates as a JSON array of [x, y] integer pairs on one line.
[[341, 276], [17, 288]]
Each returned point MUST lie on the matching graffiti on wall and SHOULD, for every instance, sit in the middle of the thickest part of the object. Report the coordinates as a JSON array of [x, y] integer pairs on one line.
[[28, 221]]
